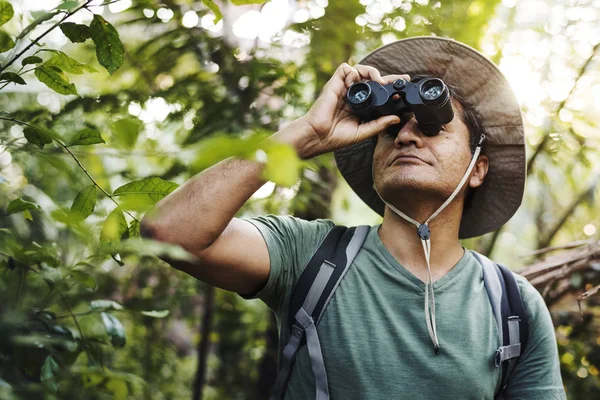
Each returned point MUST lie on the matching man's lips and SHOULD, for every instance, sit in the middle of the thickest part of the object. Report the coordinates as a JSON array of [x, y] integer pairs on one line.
[[406, 157]]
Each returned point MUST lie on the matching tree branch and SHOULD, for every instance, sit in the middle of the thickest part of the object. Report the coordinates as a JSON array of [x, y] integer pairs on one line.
[[545, 242]]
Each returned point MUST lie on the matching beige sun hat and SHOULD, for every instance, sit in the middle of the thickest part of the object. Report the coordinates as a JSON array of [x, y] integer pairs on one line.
[[482, 85]]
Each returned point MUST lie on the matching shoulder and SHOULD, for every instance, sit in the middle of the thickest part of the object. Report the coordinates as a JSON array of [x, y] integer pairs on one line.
[[275, 227], [532, 299]]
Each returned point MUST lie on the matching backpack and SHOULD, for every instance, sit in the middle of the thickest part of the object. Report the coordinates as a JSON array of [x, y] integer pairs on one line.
[[327, 268]]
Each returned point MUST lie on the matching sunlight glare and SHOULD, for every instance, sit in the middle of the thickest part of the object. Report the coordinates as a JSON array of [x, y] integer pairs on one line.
[[190, 19], [207, 22], [265, 190], [589, 229], [119, 6]]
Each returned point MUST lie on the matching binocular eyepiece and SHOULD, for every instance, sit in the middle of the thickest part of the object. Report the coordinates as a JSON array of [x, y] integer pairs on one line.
[[427, 98]]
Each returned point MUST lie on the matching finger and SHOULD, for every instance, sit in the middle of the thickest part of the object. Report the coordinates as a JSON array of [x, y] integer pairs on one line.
[[391, 78], [376, 126], [349, 74], [368, 72]]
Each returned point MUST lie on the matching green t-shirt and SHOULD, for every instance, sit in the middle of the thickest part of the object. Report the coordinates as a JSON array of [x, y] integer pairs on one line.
[[374, 337]]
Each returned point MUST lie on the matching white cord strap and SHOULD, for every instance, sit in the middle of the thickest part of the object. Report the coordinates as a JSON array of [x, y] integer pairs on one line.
[[424, 234]]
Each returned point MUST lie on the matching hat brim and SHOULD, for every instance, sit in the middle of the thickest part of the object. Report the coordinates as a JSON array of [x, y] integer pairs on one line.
[[483, 86]]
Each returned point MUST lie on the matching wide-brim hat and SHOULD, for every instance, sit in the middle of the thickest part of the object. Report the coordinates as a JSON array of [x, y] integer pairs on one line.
[[483, 86]]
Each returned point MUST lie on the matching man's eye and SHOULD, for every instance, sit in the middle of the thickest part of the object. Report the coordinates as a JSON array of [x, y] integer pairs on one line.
[[392, 130]]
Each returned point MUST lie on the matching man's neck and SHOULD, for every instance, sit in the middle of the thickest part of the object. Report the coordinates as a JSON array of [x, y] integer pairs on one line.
[[402, 241]]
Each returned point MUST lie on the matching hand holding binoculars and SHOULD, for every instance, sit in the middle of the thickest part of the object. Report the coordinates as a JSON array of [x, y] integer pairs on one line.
[[427, 98]]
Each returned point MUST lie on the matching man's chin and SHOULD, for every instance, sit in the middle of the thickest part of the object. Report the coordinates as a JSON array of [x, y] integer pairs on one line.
[[410, 189]]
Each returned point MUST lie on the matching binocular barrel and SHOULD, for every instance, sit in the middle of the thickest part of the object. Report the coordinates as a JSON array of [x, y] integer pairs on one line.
[[427, 98]]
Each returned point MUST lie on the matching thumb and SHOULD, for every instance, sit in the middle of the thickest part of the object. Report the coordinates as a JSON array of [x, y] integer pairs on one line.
[[376, 126]]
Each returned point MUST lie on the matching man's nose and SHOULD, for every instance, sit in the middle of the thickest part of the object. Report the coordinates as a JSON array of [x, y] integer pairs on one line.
[[409, 134]]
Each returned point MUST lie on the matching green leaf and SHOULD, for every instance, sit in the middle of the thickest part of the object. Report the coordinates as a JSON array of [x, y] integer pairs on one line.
[[114, 329], [215, 9], [105, 305], [31, 60], [156, 314], [76, 33], [18, 205], [84, 203], [117, 260], [109, 49], [55, 80], [219, 147], [68, 5], [6, 12], [38, 20], [48, 374], [68, 64], [84, 278], [134, 229], [12, 77], [127, 130], [118, 387], [114, 228], [6, 42], [151, 248], [39, 136], [139, 195], [27, 215], [283, 165], [65, 216], [86, 136]]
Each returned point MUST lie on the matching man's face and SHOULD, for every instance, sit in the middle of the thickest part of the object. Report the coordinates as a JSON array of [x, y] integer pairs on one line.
[[408, 163]]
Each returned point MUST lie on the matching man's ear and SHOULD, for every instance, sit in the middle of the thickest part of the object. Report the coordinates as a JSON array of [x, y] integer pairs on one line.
[[479, 171]]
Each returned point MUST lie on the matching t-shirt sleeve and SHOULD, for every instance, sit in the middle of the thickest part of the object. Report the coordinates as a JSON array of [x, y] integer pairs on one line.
[[291, 243], [537, 373]]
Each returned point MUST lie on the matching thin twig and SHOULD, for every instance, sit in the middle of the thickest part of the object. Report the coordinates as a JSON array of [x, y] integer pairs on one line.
[[43, 305], [567, 246], [76, 314], [94, 181], [545, 242], [22, 272], [35, 41], [62, 296], [584, 296]]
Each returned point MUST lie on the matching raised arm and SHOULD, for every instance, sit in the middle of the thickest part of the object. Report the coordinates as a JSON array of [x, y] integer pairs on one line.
[[199, 216]]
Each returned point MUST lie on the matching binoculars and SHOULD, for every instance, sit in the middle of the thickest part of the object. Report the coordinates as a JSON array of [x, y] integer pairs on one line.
[[427, 98]]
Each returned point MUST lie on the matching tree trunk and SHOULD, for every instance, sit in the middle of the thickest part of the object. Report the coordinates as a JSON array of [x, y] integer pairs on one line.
[[203, 344]]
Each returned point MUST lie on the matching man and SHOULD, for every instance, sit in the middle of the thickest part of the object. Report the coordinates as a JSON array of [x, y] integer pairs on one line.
[[378, 342]]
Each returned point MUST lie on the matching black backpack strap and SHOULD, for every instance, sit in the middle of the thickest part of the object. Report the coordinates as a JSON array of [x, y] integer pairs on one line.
[[310, 298], [515, 323], [510, 316]]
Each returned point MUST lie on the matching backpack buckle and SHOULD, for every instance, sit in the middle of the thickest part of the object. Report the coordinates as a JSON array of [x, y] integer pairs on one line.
[[498, 357]]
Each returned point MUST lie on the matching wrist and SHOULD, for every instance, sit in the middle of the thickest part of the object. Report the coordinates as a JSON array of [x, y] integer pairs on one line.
[[300, 135]]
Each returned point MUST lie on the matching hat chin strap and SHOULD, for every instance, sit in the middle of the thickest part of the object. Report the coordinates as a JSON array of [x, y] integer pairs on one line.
[[424, 234]]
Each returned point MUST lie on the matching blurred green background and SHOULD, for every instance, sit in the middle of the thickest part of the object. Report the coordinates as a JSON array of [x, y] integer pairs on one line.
[[108, 106]]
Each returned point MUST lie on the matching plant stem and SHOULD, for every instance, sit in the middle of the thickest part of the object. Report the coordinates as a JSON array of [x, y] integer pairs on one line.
[[75, 314], [35, 41], [62, 296], [94, 181], [43, 305]]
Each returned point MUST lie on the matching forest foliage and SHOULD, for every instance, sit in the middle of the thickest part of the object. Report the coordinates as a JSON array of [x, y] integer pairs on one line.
[[103, 113]]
